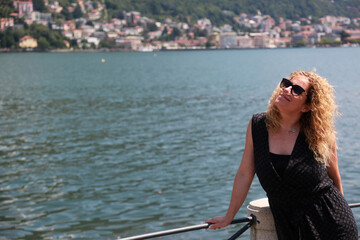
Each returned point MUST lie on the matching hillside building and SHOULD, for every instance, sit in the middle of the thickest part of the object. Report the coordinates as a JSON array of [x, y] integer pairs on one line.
[[28, 42]]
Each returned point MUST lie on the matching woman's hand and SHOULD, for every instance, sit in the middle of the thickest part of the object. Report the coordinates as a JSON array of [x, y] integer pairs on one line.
[[218, 222]]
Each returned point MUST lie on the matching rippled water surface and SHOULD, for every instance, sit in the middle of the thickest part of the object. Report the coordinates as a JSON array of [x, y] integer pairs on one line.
[[145, 142]]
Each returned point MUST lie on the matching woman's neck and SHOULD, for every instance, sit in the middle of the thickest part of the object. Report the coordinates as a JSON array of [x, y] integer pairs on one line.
[[290, 123]]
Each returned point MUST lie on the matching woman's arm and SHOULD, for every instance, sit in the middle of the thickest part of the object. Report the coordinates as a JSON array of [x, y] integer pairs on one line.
[[242, 183], [333, 170]]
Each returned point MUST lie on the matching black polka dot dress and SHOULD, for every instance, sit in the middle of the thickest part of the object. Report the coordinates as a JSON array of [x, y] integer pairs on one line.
[[304, 202]]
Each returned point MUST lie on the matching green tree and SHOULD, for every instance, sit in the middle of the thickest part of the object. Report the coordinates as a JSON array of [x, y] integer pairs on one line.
[[78, 12], [344, 35], [68, 15], [2, 40], [39, 30], [110, 5], [300, 44], [5, 11], [213, 9], [145, 34], [130, 24], [56, 40], [327, 42], [6, 7], [19, 33], [152, 27], [7, 39], [209, 44], [164, 32], [89, 23], [354, 41], [43, 44], [73, 43], [200, 32], [39, 5], [105, 44], [175, 33]]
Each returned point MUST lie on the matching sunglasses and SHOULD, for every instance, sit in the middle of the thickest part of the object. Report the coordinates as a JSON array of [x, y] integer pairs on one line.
[[296, 90]]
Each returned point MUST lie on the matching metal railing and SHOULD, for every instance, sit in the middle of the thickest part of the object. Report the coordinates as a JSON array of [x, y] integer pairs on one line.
[[248, 220], [354, 205]]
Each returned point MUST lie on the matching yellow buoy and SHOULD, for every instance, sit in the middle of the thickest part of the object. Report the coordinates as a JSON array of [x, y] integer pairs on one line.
[[103, 60]]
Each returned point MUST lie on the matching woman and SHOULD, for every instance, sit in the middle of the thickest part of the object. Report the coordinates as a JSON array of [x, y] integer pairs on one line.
[[292, 150]]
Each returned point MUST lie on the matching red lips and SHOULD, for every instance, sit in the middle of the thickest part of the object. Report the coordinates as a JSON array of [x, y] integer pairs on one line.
[[286, 97]]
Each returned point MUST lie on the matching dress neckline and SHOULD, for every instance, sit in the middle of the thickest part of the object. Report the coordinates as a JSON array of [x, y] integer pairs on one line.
[[290, 158], [281, 155]]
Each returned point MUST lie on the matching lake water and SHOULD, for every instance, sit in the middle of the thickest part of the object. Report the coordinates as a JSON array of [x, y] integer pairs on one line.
[[145, 142]]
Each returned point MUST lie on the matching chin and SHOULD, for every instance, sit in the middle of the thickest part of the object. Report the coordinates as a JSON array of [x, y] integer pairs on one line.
[[281, 105], [279, 102]]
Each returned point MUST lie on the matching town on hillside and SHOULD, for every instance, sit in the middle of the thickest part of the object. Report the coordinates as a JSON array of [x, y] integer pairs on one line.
[[88, 30]]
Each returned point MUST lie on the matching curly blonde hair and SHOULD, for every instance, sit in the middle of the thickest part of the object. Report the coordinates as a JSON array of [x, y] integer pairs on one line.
[[317, 124]]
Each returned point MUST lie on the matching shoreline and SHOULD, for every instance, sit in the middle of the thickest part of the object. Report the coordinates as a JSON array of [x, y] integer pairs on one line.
[[102, 50]]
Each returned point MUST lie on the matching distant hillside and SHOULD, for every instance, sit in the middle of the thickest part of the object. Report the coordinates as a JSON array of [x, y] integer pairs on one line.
[[220, 11]]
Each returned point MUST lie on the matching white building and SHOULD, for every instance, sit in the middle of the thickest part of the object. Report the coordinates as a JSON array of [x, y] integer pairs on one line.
[[155, 34], [43, 18], [245, 42], [226, 28], [93, 40], [228, 40], [68, 34], [133, 31], [77, 33], [87, 30], [94, 14], [205, 23], [261, 41], [5, 23], [170, 45], [129, 42]]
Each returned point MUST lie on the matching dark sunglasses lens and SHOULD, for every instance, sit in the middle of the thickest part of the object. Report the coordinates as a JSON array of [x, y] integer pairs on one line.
[[297, 90], [285, 83]]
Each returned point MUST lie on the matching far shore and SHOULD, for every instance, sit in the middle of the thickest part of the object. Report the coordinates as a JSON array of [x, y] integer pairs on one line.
[[4, 50]]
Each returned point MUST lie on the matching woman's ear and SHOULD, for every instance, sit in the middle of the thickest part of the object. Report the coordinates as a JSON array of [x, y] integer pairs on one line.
[[306, 108]]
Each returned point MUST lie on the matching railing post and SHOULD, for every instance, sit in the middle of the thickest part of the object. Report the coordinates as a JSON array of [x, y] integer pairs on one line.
[[264, 228]]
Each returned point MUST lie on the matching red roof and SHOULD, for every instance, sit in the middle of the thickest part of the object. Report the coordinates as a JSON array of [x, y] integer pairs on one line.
[[286, 39], [353, 38], [28, 1], [26, 37], [353, 31]]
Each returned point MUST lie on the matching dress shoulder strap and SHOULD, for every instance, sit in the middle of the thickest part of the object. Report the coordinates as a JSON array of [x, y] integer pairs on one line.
[[259, 131], [258, 121]]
